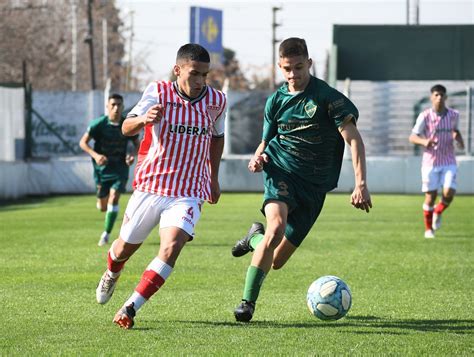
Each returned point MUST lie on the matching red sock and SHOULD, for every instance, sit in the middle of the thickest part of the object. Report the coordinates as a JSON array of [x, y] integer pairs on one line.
[[440, 207], [428, 215], [149, 284], [114, 266]]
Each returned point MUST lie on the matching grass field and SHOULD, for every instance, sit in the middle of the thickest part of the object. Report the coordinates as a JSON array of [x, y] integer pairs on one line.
[[411, 296]]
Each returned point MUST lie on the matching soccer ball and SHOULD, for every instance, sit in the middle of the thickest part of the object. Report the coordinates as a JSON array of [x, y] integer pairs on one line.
[[329, 298]]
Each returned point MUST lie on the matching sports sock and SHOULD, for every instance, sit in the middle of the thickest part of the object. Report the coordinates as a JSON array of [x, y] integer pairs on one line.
[[428, 216], [255, 240], [114, 265], [253, 283], [152, 279], [110, 217], [440, 207]]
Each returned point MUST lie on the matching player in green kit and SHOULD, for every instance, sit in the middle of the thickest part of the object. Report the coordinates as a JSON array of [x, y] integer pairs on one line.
[[305, 125], [110, 160]]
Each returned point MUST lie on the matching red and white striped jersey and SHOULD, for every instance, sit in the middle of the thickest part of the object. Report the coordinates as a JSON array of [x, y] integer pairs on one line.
[[174, 158], [440, 127]]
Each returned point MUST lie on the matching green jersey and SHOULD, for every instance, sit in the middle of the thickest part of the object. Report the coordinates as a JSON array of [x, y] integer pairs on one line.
[[110, 142], [301, 130]]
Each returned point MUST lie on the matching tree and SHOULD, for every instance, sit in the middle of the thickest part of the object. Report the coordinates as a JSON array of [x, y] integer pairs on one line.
[[40, 33]]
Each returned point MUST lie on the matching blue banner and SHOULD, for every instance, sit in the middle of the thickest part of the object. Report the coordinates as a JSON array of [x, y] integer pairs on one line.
[[206, 30]]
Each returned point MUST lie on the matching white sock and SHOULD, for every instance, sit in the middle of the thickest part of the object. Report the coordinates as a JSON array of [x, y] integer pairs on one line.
[[159, 267], [112, 208], [137, 301]]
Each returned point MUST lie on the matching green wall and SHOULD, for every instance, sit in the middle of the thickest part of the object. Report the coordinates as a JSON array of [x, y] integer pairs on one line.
[[387, 52]]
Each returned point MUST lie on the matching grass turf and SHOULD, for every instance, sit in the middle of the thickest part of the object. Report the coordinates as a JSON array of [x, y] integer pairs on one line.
[[410, 295]]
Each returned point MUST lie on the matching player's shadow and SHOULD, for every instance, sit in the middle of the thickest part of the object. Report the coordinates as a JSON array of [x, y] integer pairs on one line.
[[19, 204], [459, 326], [362, 325]]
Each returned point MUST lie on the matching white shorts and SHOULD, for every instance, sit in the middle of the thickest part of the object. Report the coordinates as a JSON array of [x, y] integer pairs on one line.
[[434, 177], [145, 211]]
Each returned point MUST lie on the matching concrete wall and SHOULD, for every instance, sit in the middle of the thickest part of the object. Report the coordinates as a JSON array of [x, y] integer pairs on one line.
[[74, 175]]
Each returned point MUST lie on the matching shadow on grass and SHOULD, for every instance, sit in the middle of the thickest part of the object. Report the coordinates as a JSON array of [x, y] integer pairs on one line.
[[363, 325], [19, 204]]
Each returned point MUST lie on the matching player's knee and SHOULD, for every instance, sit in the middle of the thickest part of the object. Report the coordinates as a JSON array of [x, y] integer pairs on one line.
[[274, 237], [278, 264], [172, 248]]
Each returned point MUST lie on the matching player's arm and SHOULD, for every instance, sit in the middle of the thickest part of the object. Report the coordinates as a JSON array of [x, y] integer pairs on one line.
[[360, 197], [270, 130], [420, 140], [259, 158], [84, 145], [148, 111], [458, 137], [135, 123], [215, 153], [130, 157], [416, 136]]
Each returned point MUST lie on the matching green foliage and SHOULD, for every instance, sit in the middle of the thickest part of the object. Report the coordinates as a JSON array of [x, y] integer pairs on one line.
[[411, 296]]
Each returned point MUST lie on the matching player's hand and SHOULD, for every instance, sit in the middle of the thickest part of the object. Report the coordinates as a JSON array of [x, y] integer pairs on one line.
[[256, 163], [360, 198], [101, 160], [429, 143], [154, 114], [215, 192], [129, 159]]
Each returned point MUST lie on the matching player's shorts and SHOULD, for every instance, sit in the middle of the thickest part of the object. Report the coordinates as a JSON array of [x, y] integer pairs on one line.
[[304, 202], [145, 211], [104, 184], [434, 177]]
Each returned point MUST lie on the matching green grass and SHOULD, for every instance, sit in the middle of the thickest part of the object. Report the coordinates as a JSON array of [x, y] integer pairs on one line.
[[410, 295]]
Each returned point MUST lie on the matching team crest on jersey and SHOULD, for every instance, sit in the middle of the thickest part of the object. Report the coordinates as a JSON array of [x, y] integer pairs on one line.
[[310, 108], [213, 110]]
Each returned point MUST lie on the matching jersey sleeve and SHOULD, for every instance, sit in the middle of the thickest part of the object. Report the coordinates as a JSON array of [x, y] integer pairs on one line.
[[93, 128], [218, 128], [419, 128], [339, 107], [270, 124], [149, 99], [456, 120]]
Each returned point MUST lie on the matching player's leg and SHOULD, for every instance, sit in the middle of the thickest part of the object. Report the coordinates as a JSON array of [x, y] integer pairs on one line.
[[448, 192], [102, 192], [117, 187], [430, 182], [141, 216], [276, 213], [250, 241], [102, 202], [177, 224], [428, 208]]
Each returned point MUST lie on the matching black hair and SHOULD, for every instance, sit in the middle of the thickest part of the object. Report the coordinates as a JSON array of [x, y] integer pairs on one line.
[[116, 96], [193, 52], [292, 47], [438, 88]]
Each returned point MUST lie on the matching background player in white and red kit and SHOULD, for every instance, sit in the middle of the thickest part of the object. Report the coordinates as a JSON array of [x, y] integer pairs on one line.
[[436, 129], [177, 171]]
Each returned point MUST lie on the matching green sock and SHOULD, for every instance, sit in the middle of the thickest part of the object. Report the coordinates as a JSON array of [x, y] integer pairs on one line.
[[110, 217], [253, 282], [255, 240]]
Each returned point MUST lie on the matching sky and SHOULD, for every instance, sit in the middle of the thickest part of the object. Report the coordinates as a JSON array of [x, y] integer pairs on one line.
[[161, 27]]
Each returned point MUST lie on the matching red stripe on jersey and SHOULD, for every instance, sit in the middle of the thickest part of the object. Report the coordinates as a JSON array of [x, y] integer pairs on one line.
[[440, 129], [177, 162]]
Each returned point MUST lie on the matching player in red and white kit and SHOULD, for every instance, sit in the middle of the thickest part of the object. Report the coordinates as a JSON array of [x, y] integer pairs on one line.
[[177, 171], [436, 129]]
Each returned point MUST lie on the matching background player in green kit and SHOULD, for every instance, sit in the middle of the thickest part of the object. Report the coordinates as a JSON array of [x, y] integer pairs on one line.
[[305, 125], [110, 160]]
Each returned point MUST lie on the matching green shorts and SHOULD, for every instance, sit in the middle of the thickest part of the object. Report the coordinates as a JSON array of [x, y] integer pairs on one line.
[[304, 202], [104, 184]]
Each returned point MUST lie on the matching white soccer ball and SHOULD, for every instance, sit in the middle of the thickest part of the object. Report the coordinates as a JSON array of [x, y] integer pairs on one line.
[[329, 298]]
